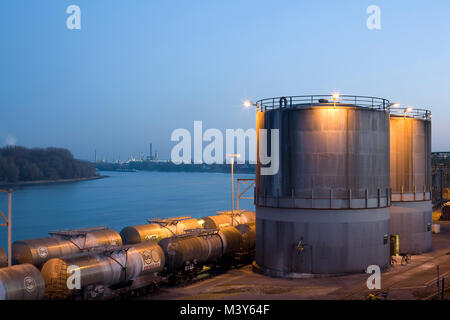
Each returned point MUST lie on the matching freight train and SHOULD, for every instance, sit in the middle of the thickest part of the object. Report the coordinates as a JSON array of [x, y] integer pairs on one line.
[[99, 263]]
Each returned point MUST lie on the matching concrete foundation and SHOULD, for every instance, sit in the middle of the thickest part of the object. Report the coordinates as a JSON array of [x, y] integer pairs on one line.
[[296, 243], [412, 221]]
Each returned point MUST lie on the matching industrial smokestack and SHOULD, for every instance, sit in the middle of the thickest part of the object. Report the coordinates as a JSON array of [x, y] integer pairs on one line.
[[151, 152]]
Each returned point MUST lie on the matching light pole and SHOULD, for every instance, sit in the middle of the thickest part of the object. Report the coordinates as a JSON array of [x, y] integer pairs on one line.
[[8, 223], [232, 156]]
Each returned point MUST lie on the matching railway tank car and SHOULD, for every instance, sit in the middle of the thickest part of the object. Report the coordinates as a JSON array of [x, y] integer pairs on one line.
[[3, 258], [248, 233], [98, 271], [157, 229], [191, 251], [61, 244], [228, 219], [22, 282]]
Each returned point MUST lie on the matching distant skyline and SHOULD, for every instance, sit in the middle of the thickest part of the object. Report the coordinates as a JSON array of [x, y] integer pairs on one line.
[[138, 70]]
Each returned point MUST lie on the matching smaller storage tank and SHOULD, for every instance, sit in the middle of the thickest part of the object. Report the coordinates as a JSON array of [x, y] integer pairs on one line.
[[103, 269], [3, 258], [411, 211], [62, 244], [23, 282], [156, 231]]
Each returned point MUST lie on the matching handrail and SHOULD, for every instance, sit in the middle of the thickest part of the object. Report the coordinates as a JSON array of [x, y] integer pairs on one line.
[[297, 101], [411, 113]]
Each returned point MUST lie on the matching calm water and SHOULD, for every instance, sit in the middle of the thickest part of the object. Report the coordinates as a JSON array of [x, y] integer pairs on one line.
[[125, 198]]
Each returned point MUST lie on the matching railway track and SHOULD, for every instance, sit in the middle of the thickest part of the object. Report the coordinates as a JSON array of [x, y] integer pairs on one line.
[[395, 280]]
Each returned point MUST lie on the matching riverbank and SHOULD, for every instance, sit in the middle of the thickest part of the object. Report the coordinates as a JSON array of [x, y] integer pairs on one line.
[[40, 182], [168, 166]]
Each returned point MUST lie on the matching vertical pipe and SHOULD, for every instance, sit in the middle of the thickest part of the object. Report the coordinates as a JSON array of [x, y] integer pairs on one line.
[[443, 289], [232, 191], [9, 227], [350, 198], [367, 198], [379, 197], [331, 198], [237, 196], [438, 279]]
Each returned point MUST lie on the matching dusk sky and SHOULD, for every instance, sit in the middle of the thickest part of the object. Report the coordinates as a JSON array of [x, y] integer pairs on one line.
[[137, 70]]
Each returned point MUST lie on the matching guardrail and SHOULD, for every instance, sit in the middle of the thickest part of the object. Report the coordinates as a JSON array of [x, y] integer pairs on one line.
[[411, 113], [296, 101]]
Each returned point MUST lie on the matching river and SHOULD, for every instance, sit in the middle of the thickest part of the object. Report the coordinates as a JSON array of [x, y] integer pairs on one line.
[[122, 199]]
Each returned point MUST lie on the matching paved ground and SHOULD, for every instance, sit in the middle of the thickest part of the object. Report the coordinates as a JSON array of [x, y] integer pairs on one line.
[[413, 281]]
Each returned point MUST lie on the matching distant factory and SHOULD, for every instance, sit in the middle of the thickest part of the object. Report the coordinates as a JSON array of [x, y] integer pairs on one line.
[[151, 156]]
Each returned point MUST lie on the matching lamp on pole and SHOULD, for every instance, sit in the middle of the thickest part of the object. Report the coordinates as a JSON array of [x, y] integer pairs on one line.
[[336, 96], [232, 156]]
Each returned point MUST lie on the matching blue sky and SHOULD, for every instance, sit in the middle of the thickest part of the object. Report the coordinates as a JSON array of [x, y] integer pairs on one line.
[[137, 70]]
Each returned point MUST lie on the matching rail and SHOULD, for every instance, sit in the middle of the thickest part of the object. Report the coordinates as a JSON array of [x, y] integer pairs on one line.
[[168, 221], [411, 113], [75, 232], [295, 101]]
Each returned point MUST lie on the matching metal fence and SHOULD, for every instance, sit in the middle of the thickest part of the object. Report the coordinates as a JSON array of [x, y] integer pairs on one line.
[[295, 101], [411, 113], [437, 290]]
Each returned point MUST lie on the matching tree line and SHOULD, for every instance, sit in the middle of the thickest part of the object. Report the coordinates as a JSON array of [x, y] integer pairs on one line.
[[20, 164]]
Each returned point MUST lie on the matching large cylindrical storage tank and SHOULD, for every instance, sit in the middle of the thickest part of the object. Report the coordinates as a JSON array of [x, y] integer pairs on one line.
[[3, 258], [411, 211], [23, 282], [326, 209]]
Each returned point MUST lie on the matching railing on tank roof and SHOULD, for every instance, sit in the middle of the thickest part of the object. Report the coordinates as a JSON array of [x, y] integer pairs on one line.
[[290, 101], [411, 113]]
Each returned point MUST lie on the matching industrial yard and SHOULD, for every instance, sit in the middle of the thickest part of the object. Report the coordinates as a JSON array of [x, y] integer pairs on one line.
[[415, 281], [350, 197]]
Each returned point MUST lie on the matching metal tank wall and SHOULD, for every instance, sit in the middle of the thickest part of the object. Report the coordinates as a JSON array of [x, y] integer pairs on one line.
[[326, 211], [411, 211], [22, 282]]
